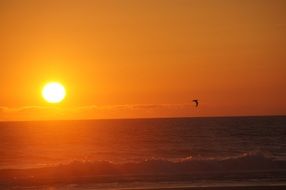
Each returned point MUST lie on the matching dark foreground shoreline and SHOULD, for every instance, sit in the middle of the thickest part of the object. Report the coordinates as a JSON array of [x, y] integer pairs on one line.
[[275, 187], [251, 187]]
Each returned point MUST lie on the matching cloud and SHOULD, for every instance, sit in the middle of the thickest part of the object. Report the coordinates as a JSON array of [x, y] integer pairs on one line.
[[96, 111]]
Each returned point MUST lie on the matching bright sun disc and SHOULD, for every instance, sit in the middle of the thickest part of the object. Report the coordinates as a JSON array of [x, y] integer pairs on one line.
[[54, 92]]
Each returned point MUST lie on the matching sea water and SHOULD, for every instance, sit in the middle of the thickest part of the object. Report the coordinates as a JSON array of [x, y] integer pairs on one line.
[[140, 153]]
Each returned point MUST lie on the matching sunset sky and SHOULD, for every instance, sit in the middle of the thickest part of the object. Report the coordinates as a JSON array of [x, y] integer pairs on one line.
[[148, 58]]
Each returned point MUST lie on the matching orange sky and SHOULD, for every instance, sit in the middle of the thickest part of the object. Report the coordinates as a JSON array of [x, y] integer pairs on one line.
[[143, 58]]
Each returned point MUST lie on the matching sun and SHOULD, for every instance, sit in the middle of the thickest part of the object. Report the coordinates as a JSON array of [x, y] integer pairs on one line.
[[54, 92]]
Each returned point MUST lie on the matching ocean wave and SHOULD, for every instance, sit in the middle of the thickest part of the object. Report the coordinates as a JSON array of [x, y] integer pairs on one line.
[[246, 165]]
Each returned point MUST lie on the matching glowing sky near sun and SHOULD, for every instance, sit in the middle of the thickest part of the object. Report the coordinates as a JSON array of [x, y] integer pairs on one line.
[[153, 57]]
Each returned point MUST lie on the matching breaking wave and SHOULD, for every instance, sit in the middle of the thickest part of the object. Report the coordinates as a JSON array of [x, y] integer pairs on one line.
[[255, 165]]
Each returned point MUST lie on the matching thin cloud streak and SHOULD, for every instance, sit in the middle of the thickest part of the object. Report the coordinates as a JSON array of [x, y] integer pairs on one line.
[[96, 111]]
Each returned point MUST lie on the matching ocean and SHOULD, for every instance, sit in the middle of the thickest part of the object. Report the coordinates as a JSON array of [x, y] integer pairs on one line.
[[144, 153]]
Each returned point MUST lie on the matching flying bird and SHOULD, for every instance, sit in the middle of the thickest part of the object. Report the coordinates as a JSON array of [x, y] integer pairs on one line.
[[196, 101]]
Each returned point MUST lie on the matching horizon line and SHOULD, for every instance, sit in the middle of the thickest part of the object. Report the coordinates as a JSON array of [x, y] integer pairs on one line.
[[144, 118]]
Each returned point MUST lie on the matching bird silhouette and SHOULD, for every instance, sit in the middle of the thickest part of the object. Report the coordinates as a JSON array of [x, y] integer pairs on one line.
[[196, 101]]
